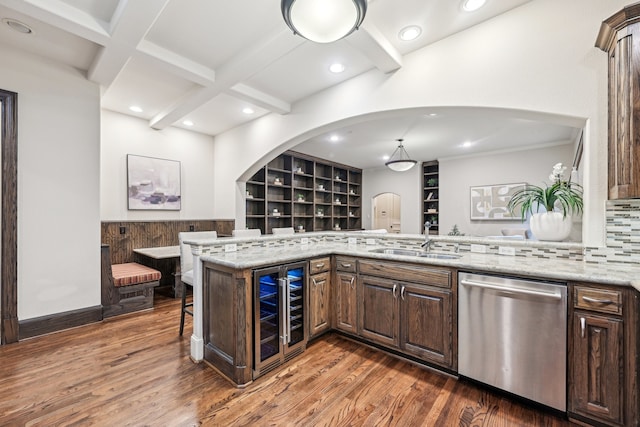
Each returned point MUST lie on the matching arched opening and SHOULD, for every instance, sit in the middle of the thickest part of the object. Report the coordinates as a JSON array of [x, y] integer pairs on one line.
[[386, 212]]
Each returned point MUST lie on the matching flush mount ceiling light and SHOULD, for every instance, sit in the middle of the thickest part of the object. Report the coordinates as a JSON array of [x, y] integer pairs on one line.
[[323, 21], [471, 5], [336, 68], [18, 26], [400, 160], [410, 33]]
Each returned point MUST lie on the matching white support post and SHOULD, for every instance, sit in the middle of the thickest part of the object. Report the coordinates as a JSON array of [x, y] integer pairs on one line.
[[197, 340]]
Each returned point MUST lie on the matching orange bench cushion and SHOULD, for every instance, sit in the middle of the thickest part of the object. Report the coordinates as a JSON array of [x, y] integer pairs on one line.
[[132, 273]]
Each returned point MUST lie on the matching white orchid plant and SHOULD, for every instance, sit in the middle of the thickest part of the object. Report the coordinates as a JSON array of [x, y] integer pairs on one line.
[[563, 195]]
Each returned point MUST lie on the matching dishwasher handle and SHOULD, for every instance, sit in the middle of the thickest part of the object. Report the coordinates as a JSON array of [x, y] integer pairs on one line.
[[523, 291]]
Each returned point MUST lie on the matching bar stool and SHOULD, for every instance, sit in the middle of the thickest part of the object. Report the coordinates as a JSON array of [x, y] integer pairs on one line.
[[186, 269]]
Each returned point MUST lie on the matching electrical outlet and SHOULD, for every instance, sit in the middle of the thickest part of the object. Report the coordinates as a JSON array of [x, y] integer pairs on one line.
[[230, 247], [304, 241], [479, 249], [371, 241], [506, 250], [123, 229], [192, 227]]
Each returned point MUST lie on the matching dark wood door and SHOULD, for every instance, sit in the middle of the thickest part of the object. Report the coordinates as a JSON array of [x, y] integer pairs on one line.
[[426, 324], [346, 303], [319, 303], [595, 377], [379, 310]]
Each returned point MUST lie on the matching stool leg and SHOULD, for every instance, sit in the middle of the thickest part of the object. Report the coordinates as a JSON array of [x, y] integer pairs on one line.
[[182, 308]]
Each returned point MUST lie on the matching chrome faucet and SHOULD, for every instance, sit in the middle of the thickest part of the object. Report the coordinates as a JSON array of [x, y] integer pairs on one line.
[[427, 239]]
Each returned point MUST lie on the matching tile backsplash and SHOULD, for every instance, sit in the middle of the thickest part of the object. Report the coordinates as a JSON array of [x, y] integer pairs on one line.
[[622, 234]]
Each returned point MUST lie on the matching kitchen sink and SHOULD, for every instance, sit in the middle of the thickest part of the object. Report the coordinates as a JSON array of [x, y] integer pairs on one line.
[[413, 252]]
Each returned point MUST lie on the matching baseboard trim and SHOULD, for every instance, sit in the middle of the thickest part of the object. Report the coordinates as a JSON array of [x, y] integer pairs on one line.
[[59, 321]]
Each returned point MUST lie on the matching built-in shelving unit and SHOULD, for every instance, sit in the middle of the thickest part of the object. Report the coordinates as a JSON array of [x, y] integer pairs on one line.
[[304, 192], [431, 195]]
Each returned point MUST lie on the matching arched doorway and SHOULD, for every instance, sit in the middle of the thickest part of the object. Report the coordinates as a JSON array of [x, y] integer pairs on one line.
[[386, 212], [9, 220]]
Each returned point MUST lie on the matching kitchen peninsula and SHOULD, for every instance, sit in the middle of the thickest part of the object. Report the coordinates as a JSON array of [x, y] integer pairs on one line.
[[407, 305]]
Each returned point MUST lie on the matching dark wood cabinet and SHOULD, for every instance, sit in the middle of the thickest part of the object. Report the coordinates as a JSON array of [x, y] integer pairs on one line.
[[426, 323], [319, 296], [430, 194], [415, 317], [597, 367], [619, 36], [603, 342], [346, 307], [378, 314]]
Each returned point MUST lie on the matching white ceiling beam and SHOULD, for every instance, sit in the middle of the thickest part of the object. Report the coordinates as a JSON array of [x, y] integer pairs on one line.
[[63, 16], [177, 64], [238, 69], [259, 98], [129, 24], [375, 46]]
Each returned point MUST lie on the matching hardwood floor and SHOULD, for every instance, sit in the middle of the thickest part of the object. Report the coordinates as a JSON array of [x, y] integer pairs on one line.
[[134, 370]]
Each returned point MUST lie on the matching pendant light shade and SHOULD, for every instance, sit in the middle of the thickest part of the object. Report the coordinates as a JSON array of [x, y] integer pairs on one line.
[[400, 160], [323, 21]]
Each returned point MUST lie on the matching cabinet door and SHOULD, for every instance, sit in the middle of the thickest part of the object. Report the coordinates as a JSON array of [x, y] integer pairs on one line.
[[426, 324], [596, 367], [346, 303], [379, 310], [319, 308]]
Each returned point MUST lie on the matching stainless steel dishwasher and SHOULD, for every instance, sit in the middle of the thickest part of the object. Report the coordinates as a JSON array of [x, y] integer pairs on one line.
[[512, 334]]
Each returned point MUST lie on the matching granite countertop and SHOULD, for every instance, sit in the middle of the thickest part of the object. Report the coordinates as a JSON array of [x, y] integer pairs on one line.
[[555, 269]]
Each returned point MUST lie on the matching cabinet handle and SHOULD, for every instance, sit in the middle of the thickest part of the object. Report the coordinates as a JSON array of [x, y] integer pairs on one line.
[[348, 265], [314, 282], [320, 265], [597, 301], [351, 282], [394, 290], [402, 292], [583, 325]]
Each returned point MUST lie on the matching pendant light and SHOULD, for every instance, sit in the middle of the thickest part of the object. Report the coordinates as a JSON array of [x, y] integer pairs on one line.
[[402, 162], [323, 21]]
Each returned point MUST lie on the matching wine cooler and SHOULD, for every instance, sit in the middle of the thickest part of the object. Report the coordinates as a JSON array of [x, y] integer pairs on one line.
[[280, 330]]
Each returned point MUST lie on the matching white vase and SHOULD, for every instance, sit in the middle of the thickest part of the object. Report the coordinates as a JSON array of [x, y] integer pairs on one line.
[[550, 226]]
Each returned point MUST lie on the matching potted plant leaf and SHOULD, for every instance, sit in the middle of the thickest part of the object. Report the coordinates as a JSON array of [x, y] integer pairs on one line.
[[561, 200]]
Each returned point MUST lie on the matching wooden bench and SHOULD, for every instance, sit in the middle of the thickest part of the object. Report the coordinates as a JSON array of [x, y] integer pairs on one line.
[[126, 287]]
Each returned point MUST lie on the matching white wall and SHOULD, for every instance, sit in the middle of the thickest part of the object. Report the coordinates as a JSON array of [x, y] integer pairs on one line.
[[58, 185], [122, 135], [405, 184], [457, 175], [537, 57]]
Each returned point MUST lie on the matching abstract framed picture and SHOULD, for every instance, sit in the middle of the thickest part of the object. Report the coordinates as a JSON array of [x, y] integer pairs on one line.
[[153, 184], [489, 202]]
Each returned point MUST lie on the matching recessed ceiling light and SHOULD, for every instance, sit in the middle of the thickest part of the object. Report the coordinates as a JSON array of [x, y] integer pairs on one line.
[[248, 110], [466, 144], [336, 68], [385, 157], [18, 26], [471, 5], [432, 115], [410, 33], [187, 123], [334, 138], [136, 109]]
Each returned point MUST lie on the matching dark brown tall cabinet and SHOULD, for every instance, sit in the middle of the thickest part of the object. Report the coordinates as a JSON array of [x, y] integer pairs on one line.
[[306, 193], [619, 36], [431, 194]]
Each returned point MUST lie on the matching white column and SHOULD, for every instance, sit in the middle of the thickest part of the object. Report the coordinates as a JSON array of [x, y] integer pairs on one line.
[[197, 341]]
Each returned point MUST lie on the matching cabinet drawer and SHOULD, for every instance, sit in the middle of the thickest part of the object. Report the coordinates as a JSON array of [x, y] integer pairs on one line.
[[319, 265], [346, 264], [407, 273], [602, 300]]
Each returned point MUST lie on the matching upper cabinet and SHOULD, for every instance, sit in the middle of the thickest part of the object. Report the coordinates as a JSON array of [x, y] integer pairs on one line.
[[619, 36], [306, 193]]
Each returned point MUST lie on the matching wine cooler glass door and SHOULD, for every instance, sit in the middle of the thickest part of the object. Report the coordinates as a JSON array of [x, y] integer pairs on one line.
[[269, 324], [295, 309]]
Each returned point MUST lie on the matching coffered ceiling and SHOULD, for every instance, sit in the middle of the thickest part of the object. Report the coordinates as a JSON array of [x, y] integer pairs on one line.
[[204, 61]]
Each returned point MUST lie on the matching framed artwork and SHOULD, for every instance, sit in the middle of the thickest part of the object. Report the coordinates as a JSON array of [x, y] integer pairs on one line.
[[489, 202], [153, 184]]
